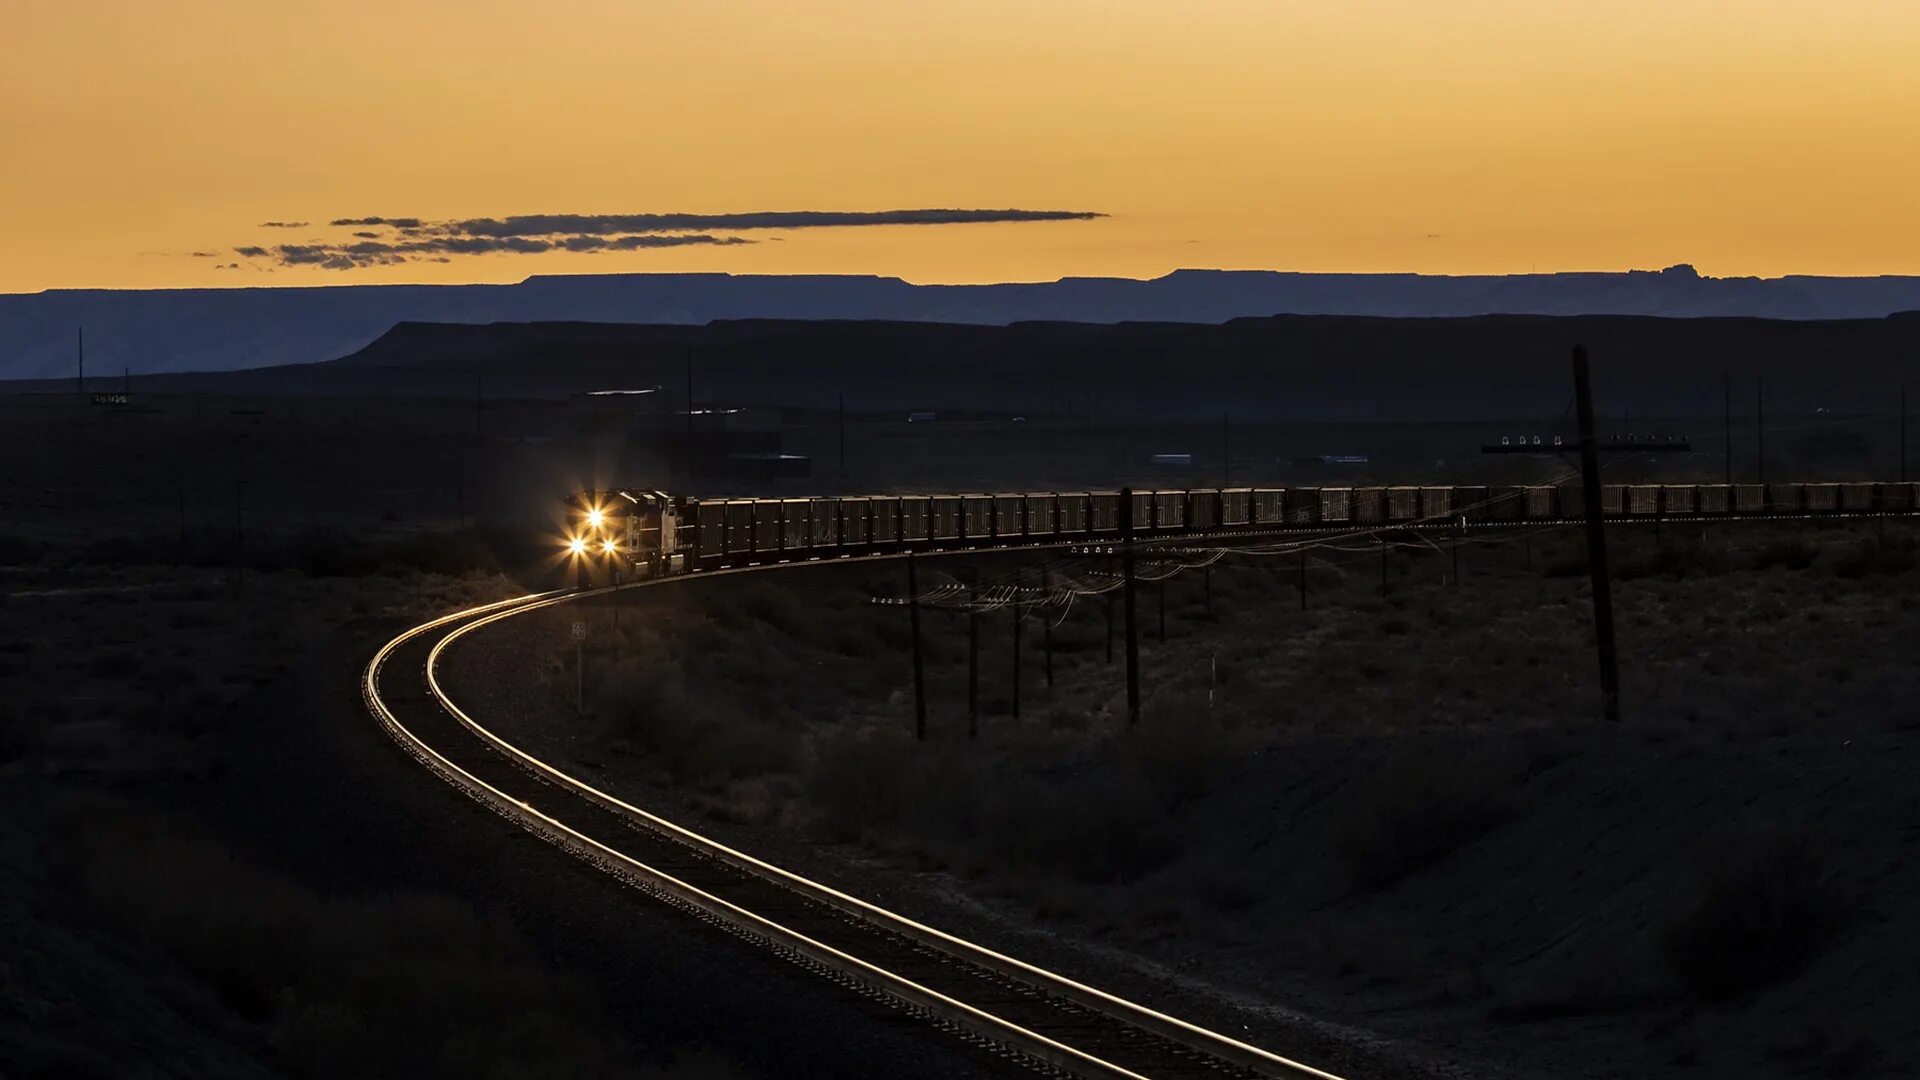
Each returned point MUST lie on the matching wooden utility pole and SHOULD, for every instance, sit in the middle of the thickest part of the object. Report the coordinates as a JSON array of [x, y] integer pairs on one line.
[[973, 662], [1016, 648], [1596, 539], [1133, 638], [919, 670], [1046, 637], [1109, 628]]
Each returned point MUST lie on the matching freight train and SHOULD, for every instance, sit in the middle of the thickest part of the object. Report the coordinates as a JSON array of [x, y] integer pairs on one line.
[[660, 533]]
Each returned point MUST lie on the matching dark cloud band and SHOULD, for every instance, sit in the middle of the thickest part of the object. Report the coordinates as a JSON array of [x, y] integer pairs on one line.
[[365, 253], [387, 241]]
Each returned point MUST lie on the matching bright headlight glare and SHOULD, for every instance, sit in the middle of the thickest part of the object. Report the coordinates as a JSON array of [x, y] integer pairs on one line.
[[595, 517], [609, 546], [577, 545]]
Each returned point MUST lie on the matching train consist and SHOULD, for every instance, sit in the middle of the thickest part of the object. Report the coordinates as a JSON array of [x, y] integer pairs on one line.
[[666, 533]]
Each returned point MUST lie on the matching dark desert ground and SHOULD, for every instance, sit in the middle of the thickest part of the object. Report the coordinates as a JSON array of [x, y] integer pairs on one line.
[[1386, 830]]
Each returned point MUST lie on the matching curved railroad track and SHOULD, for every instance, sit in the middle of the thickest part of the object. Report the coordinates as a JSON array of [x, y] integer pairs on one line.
[[1048, 1020]]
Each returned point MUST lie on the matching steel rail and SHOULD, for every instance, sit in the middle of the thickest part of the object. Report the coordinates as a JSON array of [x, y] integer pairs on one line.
[[1244, 1055], [751, 925]]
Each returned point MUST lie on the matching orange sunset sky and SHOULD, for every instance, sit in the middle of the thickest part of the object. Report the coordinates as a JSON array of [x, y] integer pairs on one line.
[[1753, 137]]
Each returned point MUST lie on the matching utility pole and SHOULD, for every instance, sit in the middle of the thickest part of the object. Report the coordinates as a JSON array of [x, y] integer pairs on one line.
[[1109, 628], [1903, 433], [1760, 425], [1596, 539], [1016, 649], [1726, 401], [1133, 639], [689, 410], [1459, 537], [1046, 637], [973, 662], [919, 671]]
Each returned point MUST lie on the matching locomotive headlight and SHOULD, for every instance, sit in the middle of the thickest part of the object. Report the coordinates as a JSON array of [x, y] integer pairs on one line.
[[595, 518], [609, 546], [577, 545]]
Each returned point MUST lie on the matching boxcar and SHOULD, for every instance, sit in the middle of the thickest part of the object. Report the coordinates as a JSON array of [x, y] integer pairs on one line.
[[1336, 504], [1677, 499], [710, 529], [1267, 506], [1856, 498], [1436, 502], [883, 519], [1235, 505], [1301, 505], [793, 524], [823, 523], [1203, 509], [1895, 498], [1643, 500], [1367, 505], [1070, 513], [1142, 510], [1169, 511], [1007, 519], [1038, 509], [1786, 498], [1507, 502], [1570, 501], [1541, 503], [1103, 511], [1613, 499], [944, 512], [976, 516], [1749, 498], [916, 519], [1822, 498], [1474, 503], [1403, 503], [856, 521], [1713, 498]]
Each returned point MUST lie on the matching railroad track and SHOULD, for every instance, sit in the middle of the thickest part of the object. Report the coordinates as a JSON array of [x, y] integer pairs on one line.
[[1045, 1019]]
